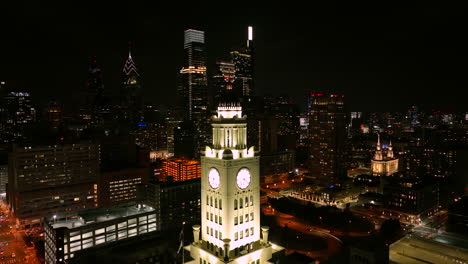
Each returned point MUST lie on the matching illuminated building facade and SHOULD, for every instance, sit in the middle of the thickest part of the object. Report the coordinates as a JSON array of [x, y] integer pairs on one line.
[[44, 180], [223, 78], [182, 169], [384, 164], [327, 130], [230, 198], [67, 234]]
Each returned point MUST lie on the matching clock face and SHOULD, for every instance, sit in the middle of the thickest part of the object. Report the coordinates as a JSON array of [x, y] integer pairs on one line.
[[213, 178], [243, 178]]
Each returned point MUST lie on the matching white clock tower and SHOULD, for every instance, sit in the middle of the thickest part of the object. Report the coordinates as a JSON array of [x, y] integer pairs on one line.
[[230, 196]]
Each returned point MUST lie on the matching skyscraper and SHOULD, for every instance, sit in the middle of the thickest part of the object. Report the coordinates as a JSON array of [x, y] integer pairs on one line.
[[194, 86], [244, 66], [130, 94], [223, 78], [327, 130]]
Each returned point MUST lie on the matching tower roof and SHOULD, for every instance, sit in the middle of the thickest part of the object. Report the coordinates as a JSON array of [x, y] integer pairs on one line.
[[130, 66], [229, 99]]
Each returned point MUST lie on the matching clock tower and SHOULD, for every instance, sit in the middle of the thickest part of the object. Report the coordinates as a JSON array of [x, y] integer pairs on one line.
[[230, 196]]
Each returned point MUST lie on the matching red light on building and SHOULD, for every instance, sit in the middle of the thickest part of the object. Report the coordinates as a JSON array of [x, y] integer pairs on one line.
[[312, 94], [319, 94]]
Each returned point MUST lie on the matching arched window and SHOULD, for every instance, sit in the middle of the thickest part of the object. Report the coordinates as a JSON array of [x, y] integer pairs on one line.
[[220, 204], [251, 200], [235, 204]]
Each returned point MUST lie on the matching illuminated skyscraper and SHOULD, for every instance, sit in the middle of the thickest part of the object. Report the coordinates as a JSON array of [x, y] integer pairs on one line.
[[223, 78], [327, 130], [194, 86], [130, 94], [244, 65]]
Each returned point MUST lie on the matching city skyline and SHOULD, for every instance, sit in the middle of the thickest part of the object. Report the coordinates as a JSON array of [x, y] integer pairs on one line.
[[383, 61]]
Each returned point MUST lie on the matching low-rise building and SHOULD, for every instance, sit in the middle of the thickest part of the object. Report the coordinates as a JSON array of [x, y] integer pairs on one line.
[[66, 234]]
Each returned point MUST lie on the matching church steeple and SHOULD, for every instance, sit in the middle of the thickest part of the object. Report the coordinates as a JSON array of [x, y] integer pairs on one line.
[[390, 151], [378, 151]]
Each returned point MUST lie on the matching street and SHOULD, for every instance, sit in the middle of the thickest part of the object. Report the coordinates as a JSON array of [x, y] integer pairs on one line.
[[13, 249]]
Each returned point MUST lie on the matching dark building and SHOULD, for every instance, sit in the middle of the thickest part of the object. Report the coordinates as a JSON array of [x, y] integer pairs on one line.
[[223, 78], [93, 93], [185, 145], [278, 162], [46, 180], [124, 166], [327, 130], [53, 115], [17, 114], [415, 198], [178, 202], [458, 217], [368, 251]]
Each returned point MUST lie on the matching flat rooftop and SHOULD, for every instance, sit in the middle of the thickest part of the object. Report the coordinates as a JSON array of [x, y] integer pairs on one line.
[[82, 218]]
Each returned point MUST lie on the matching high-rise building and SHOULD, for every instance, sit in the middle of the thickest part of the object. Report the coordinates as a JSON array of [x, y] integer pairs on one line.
[[244, 66], [194, 86], [45, 180], [18, 113], [94, 94], [53, 115], [225, 74], [130, 94], [230, 198], [327, 128]]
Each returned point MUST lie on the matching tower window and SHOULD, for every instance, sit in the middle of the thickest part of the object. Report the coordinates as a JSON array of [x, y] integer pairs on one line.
[[207, 200], [221, 236], [211, 217], [241, 219], [251, 216], [216, 203], [241, 205], [211, 201], [207, 230], [207, 216], [241, 234], [235, 204], [216, 219], [251, 231], [220, 204], [246, 201], [235, 236], [220, 220], [247, 232], [251, 200], [235, 220], [246, 217]]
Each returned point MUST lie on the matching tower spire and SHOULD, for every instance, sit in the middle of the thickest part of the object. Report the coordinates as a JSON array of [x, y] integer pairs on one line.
[[390, 150], [378, 151]]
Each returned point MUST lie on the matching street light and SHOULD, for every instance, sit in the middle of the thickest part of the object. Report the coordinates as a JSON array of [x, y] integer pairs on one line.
[[55, 216]]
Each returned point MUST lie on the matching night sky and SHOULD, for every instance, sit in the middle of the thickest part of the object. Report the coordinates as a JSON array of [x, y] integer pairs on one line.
[[384, 58]]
